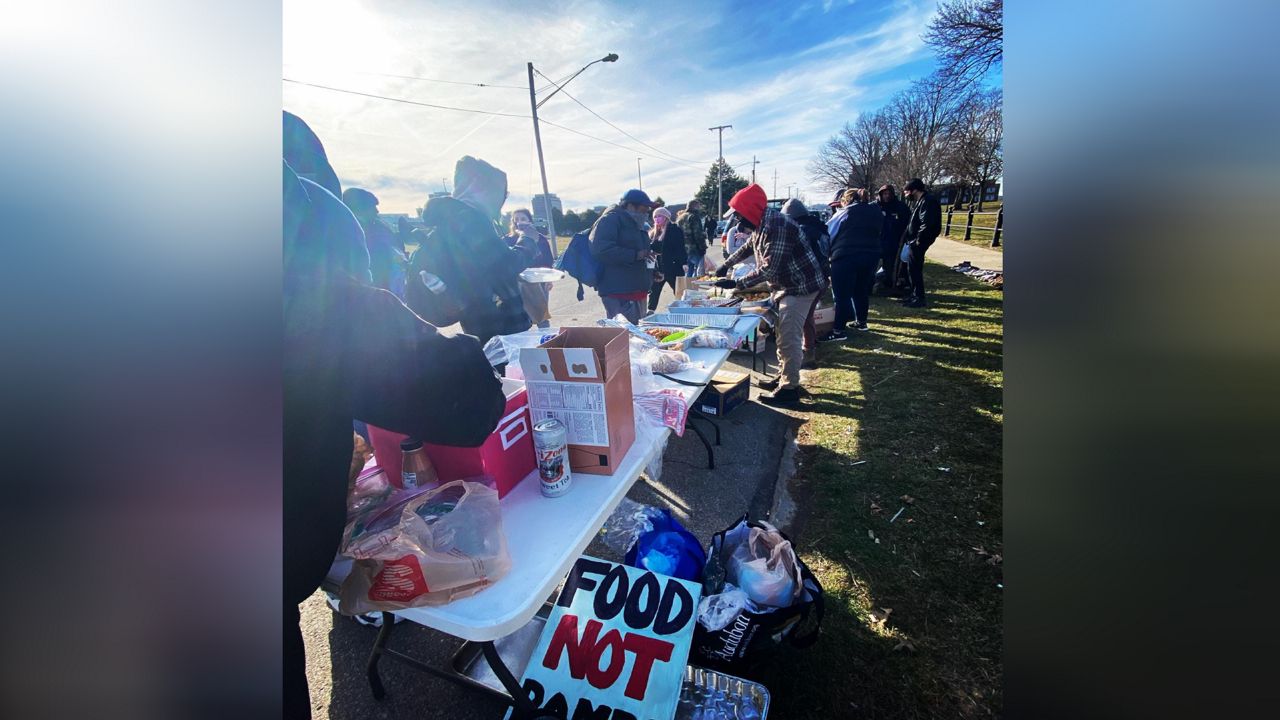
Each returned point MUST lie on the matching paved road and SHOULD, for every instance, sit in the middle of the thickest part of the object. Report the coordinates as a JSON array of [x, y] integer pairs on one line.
[[706, 501], [953, 252]]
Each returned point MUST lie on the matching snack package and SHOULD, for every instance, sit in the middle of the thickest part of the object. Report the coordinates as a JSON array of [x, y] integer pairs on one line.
[[426, 547]]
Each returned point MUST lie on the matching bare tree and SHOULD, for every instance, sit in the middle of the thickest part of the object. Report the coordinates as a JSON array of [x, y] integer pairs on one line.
[[920, 121], [968, 36], [975, 153], [856, 156]]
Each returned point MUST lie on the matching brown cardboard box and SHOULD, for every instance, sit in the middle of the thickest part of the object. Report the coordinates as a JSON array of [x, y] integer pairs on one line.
[[583, 378], [726, 391]]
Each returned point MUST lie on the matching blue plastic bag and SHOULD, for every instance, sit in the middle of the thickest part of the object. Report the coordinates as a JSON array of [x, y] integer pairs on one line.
[[668, 549]]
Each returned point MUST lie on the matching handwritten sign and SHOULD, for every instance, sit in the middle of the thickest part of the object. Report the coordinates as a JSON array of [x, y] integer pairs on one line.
[[615, 645]]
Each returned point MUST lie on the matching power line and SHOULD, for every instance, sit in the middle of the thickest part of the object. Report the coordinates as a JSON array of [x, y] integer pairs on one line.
[[624, 132], [481, 112], [434, 80], [407, 102]]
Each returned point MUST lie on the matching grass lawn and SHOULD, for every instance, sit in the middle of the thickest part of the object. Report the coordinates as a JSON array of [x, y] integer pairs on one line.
[[983, 226], [907, 416]]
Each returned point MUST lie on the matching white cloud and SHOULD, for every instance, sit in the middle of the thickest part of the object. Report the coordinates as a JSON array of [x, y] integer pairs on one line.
[[667, 88]]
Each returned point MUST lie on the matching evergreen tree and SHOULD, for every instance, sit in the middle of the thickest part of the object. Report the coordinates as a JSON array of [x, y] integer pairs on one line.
[[732, 183]]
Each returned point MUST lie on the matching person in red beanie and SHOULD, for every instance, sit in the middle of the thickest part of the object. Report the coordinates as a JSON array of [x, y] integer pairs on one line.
[[794, 275]]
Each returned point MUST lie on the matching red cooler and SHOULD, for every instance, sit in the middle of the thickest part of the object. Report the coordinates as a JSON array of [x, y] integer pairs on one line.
[[507, 456]]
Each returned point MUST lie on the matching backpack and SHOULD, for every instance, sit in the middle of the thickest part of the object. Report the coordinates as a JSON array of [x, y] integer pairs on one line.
[[578, 262]]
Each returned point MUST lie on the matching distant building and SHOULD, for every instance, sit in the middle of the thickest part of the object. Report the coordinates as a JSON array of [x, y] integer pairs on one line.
[[541, 202]]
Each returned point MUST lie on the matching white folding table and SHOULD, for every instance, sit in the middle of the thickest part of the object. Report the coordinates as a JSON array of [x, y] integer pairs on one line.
[[544, 538]]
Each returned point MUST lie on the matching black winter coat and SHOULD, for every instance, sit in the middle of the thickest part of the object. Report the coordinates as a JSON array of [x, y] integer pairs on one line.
[[859, 233], [619, 244], [926, 221], [896, 217], [671, 251]]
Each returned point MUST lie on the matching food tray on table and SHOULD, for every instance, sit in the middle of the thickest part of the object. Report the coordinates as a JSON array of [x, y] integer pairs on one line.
[[692, 319], [678, 307]]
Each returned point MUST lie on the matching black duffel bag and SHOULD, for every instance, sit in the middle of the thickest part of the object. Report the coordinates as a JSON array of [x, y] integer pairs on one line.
[[751, 637]]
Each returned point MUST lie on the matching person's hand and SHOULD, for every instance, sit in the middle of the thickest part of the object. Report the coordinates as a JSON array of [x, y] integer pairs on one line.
[[685, 268], [722, 271], [651, 256], [726, 283]]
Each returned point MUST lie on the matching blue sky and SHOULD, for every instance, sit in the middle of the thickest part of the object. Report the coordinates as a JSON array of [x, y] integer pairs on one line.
[[785, 75]]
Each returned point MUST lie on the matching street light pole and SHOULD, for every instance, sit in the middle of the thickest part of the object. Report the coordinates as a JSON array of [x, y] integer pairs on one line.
[[720, 171], [639, 178], [537, 139]]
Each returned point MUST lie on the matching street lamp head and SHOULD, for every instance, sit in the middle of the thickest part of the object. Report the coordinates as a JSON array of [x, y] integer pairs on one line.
[[611, 57]]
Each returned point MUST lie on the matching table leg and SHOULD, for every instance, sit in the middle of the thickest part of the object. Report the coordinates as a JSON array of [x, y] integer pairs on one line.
[[711, 456], [698, 414], [522, 707], [379, 645]]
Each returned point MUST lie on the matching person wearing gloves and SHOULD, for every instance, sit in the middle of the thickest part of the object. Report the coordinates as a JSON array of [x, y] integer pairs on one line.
[[896, 216], [922, 229], [353, 350], [668, 240], [622, 247], [855, 252], [815, 234], [793, 272], [535, 250]]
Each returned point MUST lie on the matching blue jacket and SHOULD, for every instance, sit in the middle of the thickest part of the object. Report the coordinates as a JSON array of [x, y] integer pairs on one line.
[[857, 232], [619, 244]]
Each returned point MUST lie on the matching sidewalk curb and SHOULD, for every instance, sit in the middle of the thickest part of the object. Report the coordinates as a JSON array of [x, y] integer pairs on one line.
[[783, 509]]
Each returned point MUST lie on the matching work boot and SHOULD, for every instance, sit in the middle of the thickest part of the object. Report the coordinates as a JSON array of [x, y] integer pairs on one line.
[[782, 396]]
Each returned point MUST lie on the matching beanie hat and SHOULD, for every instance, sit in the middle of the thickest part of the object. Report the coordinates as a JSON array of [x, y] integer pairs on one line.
[[635, 197], [794, 209], [359, 199], [914, 184], [750, 203], [662, 212]]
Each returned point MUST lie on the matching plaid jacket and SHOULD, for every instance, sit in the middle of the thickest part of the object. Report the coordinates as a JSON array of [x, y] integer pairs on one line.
[[783, 258]]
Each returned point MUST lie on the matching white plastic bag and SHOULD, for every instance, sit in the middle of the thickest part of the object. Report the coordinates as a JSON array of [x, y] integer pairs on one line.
[[431, 548], [906, 253], [764, 566], [717, 611]]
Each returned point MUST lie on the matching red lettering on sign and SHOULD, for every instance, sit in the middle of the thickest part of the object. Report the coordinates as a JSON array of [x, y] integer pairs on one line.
[[399, 580], [603, 678], [647, 650], [565, 639]]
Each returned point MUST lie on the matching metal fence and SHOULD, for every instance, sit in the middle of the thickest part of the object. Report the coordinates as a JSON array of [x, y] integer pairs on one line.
[[997, 232]]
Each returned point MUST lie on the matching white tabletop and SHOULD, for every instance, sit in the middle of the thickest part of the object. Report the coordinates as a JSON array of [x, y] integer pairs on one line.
[[546, 535]]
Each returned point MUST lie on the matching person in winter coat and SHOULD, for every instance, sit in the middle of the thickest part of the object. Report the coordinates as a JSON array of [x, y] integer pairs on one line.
[[622, 247], [793, 272], [923, 228], [353, 350], [535, 250], [463, 271], [694, 227], [855, 252], [668, 240], [896, 217], [386, 253], [815, 233]]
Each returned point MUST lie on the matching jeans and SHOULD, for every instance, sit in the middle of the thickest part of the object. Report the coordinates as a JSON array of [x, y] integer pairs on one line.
[[695, 265], [851, 281], [915, 269], [630, 309], [655, 290], [792, 311]]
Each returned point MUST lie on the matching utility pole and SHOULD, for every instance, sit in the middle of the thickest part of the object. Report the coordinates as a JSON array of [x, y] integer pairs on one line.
[[775, 182], [720, 171], [754, 162], [639, 178], [542, 166]]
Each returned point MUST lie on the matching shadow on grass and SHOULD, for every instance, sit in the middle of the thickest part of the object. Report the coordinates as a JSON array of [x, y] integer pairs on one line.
[[899, 490]]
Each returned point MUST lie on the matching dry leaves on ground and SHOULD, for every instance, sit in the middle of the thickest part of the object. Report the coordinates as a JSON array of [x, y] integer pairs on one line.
[[879, 615]]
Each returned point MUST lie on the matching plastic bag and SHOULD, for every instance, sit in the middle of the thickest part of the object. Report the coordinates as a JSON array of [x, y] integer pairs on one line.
[[627, 522], [717, 611], [742, 269], [656, 436], [668, 549], [666, 361], [663, 408], [428, 548], [906, 253], [714, 339], [506, 348], [764, 566]]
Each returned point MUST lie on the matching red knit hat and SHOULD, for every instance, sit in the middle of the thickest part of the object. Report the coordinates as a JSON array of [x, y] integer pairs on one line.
[[750, 202]]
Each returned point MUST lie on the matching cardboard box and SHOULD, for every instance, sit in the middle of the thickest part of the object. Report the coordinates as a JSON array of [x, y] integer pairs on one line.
[[582, 377], [726, 391], [507, 456]]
